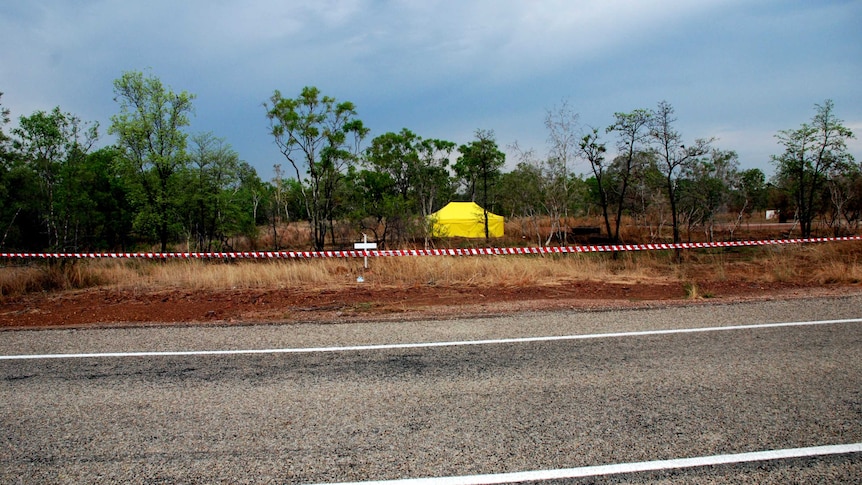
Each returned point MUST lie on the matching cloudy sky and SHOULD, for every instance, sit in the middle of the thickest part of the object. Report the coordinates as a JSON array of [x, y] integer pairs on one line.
[[738, 70]]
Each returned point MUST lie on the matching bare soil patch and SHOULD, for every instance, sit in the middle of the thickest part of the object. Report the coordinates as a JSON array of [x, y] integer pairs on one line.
[[364, 302]]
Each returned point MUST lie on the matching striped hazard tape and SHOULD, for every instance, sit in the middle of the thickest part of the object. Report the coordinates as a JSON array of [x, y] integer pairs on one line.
[[426, 252]]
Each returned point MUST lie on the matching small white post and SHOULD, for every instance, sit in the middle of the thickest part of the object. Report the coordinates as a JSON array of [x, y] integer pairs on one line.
[[365, 252]]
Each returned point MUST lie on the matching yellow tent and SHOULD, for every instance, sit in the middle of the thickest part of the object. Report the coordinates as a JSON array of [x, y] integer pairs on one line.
[[464, 219]]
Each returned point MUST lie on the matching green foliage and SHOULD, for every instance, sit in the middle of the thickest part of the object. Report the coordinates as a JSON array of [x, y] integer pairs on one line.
[[4, 138], [673, 156], [419, 177], [704, 189], [20, 209], [749, 192], [479, 166], [520, 191], [152, 142], [813, 154], [321, 138], [213, 191], [53, 146], [159, 185], [378, 208], [632, 131]]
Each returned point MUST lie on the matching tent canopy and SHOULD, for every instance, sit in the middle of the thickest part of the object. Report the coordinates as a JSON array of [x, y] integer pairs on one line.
[[464, 219]]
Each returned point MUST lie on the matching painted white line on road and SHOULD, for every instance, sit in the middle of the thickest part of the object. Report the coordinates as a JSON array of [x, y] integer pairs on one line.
[[310, 350], [644, 466]]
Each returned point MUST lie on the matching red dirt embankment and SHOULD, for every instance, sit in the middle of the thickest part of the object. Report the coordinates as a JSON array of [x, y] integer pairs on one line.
[[106, 307]]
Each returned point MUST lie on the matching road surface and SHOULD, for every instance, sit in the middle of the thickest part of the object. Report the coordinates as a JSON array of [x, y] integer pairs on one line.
[[245, 404]]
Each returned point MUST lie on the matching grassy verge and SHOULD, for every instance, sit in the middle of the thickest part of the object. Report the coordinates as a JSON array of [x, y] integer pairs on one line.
[[832, 263]]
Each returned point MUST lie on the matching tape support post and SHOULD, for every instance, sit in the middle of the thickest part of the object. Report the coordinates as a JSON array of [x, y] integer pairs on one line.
[[428, 252]]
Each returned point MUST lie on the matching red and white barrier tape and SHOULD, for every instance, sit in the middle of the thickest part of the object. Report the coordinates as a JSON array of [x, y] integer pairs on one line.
[[426, 252]]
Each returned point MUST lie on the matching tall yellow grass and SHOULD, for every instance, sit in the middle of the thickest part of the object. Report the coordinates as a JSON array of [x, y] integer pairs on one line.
[[818, 264]]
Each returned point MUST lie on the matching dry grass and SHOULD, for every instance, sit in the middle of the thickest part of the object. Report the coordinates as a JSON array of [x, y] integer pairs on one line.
[[505, 270], [834, 263], [839, 263]]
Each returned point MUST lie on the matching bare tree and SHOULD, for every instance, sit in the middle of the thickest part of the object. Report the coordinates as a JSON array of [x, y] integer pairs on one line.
[[672, 155], [563, 137]]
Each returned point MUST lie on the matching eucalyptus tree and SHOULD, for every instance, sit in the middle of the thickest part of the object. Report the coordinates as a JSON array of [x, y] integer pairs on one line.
[[100, 201], [149, 130], [562, 123], [212, 183], [431, 179], [811, 153], [479, 164], [4, 138], [632, 131], [5, 203], [521, 191], [431, 176], [20, 199], [844, 193], [321, 138], [51, 145], [747, 195], [385, 192], [672, 155], [395, 154], [705, 189], [417, 168], [375, 205], [593, 150]]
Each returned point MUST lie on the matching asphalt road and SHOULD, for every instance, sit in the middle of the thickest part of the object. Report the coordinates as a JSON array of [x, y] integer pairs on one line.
[[387, 413]]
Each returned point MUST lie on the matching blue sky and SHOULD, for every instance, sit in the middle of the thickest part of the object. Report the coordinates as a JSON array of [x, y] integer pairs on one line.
[[733, 69]]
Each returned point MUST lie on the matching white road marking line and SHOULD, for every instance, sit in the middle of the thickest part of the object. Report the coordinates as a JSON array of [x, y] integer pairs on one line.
[[309, 350], [621, 468]]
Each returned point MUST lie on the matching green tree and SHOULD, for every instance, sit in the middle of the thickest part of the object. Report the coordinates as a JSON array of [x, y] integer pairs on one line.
[[673, 156], [705, 189], [377, 208], [632, 131], [396, 155], [417, 168], [748, 194], [99, 199], [211, 211], [431, 175], [480, 164], [593, 150], [5, 160], [321, 138], [52, 144], [520, 191], [21, 209], [245, 199], [811, 153], [4, 138], [149, 130]]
